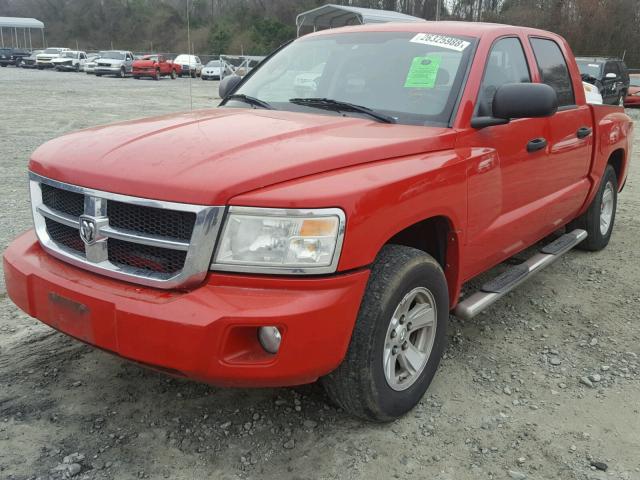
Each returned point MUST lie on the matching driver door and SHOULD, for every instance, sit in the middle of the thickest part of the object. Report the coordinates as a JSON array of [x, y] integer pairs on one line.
[[506, 169]]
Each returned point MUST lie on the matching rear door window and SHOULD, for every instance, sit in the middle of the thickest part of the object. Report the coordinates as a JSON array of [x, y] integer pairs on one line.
[[553, 69]]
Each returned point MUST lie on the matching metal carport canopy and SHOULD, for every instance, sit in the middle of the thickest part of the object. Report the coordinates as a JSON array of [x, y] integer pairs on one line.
[[19, 22], [13, 24], [330, 16]]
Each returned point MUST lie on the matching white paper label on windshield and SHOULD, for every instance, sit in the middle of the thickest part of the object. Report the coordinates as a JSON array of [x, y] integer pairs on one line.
[[594, 65], [441, 41]]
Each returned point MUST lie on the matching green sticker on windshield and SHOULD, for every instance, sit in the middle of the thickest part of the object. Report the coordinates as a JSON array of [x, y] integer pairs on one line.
[[423, 72]]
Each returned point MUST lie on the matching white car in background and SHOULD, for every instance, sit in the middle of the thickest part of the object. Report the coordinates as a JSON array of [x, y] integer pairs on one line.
[[43, 60], [90, 64], [592, 94], [214, 70], [114, 62], [70, 61], [306, 84], [190, 64]]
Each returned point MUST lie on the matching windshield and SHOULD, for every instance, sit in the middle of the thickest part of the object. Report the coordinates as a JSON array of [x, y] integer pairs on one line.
[[52, 50], [112, 55], [414, 78], [70, 54], [150, 57], [590, 68], [634, 81], [213, 63]]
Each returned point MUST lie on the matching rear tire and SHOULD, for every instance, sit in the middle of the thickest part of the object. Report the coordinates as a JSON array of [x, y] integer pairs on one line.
[[398, 338], [122, 73], [173, 74], [157, 75], [599, 219]]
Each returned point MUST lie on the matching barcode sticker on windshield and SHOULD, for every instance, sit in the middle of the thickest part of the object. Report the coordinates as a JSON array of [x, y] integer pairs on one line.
[[442, 41]]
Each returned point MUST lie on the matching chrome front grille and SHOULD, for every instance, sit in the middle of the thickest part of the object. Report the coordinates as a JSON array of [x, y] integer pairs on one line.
[[150, 242]]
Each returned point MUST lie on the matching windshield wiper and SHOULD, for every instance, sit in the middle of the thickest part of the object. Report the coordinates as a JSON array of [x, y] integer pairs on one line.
[[256, 102], [337, 105]]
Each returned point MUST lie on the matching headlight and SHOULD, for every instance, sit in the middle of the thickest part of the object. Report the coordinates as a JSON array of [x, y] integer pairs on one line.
[[267, 240]]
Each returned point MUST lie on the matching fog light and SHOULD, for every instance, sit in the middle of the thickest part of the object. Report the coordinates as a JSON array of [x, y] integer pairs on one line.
[[270, 338]]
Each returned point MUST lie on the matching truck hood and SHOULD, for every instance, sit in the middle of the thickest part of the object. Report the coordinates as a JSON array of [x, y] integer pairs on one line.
[[143, 63], [209, 156]]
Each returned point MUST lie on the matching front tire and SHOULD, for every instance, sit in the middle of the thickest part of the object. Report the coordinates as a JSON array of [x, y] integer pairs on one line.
[[173, 74], [599, 219], [398, 339], [122, 73]]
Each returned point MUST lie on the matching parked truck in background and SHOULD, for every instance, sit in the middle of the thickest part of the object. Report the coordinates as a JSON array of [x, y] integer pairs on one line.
[[609, 75], [281, 239], [43, 60], [155, 66]]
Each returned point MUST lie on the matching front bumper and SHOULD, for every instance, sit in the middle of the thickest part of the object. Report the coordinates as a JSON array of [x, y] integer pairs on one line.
[[65, 67], [632, 100], [144, 72], [207, 334], [45, 64], [107, 70]]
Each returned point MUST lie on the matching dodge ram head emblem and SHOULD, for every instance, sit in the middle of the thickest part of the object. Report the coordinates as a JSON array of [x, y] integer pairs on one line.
[[88, 230]]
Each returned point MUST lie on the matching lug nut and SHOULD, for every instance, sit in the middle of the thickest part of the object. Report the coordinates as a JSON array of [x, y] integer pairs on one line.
[[393, 334], [394, 350], [405, 345], [409, 326]]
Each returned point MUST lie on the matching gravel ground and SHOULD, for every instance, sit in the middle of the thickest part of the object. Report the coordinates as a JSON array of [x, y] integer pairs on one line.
[[544, 385]]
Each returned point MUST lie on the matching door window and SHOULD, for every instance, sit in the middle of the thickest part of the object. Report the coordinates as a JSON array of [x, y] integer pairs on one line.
[[553, 69], [507, 64], [611, 67]]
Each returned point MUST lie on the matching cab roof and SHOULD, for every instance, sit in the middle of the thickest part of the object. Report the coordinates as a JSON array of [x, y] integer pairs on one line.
[[468, 29]]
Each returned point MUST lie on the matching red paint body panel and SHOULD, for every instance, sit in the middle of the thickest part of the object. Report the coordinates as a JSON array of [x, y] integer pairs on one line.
[[496, 197], [198, 334], [146, 67], [633, 97]]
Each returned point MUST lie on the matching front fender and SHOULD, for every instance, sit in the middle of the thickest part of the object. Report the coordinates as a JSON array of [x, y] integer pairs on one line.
[[380, 199]]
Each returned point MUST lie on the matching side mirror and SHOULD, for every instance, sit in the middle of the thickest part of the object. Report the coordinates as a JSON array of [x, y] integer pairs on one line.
[[611, 75], [227, 85], [519, 100]]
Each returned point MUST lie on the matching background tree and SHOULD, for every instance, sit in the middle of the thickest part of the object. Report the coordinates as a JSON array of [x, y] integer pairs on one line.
[[597, 27]]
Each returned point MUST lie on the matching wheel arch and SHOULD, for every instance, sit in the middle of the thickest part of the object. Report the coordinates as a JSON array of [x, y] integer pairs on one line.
[[438, 237], [617, 159]]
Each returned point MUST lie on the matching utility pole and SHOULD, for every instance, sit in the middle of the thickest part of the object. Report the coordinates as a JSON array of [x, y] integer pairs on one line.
[[438, 10]]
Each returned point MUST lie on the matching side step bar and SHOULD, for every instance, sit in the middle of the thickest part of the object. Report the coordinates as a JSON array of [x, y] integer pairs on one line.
[[497, 288]]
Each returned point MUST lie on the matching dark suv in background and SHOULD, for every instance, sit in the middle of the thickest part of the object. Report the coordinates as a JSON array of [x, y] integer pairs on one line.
[[609, 75], [12, 56]]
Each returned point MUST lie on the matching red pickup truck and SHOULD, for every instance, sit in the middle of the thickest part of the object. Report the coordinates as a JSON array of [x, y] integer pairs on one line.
[[155, 66], [279, 239]]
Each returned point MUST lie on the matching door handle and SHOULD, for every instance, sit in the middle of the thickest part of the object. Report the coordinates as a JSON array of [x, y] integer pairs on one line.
[[536, 144], [583, 132]]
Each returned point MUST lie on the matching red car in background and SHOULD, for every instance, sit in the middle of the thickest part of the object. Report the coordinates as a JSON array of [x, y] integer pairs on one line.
[[155, 66], [633, 95]]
